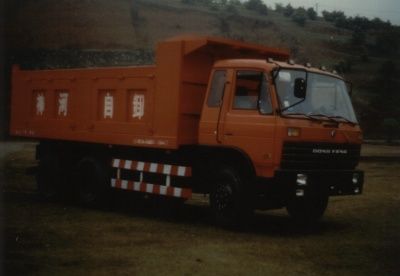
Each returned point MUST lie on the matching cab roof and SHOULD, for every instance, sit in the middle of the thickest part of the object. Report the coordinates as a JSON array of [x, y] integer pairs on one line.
[[270, 65]]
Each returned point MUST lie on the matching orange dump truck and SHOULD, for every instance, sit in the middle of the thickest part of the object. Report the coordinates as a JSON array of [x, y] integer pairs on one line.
[[237, 121]]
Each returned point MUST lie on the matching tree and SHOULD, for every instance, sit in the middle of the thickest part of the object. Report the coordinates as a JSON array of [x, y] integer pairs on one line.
[[327, 16], [232, 8], [235, 3], [312, 14], [224, 27], [360, 22], [333, 16], [343, 66], [385, 101], [134, 11], [300, 16], [378, 24], [279, 8], [289, 10], [256, 5], [358, 37], [198, 2], [343, 22], [387, 42]]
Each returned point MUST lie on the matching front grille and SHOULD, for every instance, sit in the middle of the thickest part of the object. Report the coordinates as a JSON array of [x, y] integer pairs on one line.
[[320, 156]]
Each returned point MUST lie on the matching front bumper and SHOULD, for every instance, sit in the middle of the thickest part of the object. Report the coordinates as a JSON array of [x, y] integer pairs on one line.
[[304, 183]]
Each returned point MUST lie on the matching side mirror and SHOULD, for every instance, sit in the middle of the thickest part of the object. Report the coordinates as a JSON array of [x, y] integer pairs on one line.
[[300, 88]]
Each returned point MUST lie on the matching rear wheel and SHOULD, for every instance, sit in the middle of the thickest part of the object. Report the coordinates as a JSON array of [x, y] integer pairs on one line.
[[49, 177], [92, 182], [229, 198]]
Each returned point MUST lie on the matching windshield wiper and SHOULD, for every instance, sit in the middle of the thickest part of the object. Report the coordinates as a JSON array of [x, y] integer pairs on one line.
[[337, 118], [344, 119], [293, 105], [320, 115], [302, 114]]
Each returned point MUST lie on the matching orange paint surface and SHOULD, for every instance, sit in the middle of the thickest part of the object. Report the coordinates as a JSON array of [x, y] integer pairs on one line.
[[152, 106], [163, 106]]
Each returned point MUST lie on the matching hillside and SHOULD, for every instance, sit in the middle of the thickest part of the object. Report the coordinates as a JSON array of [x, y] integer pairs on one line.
[[71, 33], [98, 24]]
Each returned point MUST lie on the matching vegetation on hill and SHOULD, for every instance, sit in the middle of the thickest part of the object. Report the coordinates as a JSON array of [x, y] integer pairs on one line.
[[91, 32]]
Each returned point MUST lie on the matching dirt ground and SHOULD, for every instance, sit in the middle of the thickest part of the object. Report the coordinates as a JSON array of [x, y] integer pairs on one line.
[[359, 235]]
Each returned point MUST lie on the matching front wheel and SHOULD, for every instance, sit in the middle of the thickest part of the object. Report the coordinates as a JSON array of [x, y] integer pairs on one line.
[[229, 199], [308, 209]]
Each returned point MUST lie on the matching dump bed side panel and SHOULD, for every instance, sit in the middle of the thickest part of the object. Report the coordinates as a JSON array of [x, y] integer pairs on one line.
[[113, 105]]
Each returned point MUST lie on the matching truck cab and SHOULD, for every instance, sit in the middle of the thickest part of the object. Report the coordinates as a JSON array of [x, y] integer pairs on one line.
[[295, 123]]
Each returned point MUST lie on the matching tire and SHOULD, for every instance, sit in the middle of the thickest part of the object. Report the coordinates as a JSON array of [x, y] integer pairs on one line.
[[307, 210], [230, 199], [92, 183], [49, 177]]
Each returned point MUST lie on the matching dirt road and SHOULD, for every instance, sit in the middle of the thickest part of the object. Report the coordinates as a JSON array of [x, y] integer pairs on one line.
[[358, 235]]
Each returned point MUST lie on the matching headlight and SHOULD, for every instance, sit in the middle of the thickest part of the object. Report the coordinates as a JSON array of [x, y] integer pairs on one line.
[[301, 179], [356, 178], [293, 132]]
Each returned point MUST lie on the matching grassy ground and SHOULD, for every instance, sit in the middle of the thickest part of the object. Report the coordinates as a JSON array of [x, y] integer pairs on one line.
[[358, 235]]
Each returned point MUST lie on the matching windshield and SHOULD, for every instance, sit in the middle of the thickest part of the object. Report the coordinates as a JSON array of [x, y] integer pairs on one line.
[[326, 96]]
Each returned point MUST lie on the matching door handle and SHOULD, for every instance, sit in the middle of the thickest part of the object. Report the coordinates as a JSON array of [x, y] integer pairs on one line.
[[228, 134]]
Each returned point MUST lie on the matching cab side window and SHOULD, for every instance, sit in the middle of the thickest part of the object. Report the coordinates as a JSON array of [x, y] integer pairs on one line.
[[251, 92], [217, 88]]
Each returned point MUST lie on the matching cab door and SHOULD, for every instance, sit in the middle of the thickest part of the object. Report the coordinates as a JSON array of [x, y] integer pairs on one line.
[[215, 107], [248, 120], [238, 113]]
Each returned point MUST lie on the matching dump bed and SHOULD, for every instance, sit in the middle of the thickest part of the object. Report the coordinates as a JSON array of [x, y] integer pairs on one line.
[[152, 106]]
